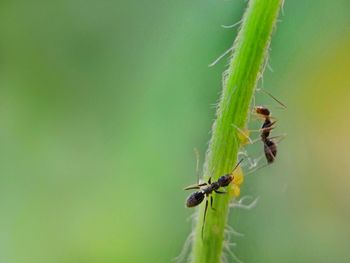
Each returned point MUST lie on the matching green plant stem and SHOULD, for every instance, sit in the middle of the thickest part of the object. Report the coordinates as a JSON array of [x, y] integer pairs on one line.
[[246, 66]]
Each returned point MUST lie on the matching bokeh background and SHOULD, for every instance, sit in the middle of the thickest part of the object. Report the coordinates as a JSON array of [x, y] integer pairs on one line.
[[102, 102]]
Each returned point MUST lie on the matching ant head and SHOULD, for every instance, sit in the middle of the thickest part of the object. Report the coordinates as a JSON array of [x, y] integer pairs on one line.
[[225, 180], [195, 199], [261, 110]]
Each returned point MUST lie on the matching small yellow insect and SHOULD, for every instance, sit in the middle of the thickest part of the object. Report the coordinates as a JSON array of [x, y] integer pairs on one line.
[[235, 186]]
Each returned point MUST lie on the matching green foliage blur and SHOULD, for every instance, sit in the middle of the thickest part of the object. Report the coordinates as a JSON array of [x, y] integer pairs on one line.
[[102, 103]]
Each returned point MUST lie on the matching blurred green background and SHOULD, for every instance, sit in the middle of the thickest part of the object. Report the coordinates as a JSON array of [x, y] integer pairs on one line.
[[102, 102]]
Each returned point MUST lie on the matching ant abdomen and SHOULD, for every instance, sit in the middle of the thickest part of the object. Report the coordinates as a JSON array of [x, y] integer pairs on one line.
[[195, 199], [270, 150]]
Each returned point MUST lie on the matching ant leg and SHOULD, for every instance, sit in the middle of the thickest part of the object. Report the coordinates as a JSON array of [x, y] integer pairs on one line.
[[279, 137], [196, 186], [256, 140], [260, 130], [245, 139], [209, 180], [271, 127], [205, 213], [264, 165], [219, 192], [211, 203]]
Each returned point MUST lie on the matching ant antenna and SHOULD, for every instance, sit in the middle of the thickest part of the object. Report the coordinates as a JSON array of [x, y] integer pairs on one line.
[[237, 165], [273, 97]]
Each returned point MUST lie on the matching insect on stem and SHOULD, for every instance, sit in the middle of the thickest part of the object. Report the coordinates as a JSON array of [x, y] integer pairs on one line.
[[206, 189]]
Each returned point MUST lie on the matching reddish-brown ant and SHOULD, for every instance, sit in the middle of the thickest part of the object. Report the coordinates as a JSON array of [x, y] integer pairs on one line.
[[206, 189], [270, 147]]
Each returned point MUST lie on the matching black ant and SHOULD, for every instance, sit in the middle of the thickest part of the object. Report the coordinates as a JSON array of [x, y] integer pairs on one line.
[[206, 189]]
